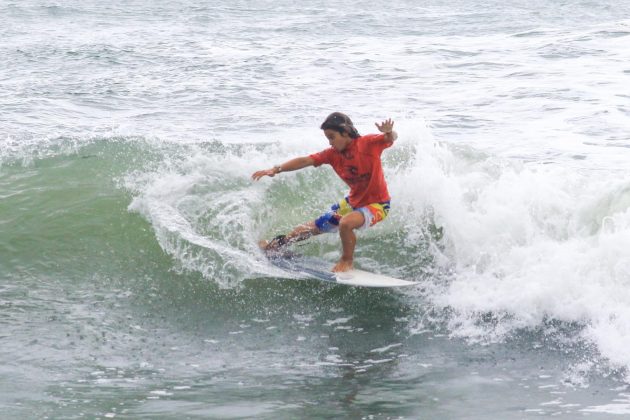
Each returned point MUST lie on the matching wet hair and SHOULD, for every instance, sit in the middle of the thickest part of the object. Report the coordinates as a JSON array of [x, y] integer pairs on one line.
[[341, 123]]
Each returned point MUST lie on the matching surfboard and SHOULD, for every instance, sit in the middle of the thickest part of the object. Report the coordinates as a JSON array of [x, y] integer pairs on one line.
[[316, 268]]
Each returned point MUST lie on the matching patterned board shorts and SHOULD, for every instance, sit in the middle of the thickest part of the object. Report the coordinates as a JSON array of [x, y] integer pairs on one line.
[[372, 213]]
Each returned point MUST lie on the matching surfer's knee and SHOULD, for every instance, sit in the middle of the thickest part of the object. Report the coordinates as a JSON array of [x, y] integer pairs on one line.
[[313, 228], [351, 221], [345, 224]]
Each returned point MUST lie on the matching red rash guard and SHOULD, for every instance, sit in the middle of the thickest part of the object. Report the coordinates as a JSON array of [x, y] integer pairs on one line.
[[359, 165]]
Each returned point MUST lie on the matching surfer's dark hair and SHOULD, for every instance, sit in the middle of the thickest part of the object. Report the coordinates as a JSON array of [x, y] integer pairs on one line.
[[341, 123]]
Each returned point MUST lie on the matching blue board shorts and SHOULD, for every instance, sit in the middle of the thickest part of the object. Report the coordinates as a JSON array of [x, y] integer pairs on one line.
[[372, 213]]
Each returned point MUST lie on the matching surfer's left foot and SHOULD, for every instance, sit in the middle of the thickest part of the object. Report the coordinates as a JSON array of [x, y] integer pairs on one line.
[[342, 266], [275, 244]]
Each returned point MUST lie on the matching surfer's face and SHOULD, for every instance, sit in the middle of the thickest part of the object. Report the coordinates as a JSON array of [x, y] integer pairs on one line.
[[337, 140]]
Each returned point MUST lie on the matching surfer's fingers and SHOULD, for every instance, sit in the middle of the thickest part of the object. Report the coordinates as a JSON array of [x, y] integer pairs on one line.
[[385, 126], [259, 174]]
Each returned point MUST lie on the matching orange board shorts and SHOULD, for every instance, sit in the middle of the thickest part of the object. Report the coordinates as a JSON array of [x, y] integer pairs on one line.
[[372, 213]]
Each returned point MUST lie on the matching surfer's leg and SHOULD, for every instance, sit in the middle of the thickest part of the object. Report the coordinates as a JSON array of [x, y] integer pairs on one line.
[[327, 222], [347, 225], [360, 218], [303, 231], [299, 233]]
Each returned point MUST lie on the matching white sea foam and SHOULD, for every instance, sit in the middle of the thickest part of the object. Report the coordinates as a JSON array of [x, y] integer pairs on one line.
[[202, 211], [526, 242]]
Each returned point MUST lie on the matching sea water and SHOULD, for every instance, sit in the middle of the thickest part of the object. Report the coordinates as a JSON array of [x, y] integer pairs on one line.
[[131, 285]]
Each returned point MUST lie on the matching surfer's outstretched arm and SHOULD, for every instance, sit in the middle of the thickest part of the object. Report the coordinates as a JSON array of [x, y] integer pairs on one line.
[[291, 165]]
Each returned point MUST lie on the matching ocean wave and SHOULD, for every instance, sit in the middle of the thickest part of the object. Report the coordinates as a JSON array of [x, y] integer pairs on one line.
[[525, 242]]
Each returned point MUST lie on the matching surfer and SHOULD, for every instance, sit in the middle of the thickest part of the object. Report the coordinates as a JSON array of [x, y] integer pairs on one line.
[[357, 161]]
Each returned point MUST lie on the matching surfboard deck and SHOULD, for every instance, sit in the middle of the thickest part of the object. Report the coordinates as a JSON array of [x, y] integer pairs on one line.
[[316, 268]]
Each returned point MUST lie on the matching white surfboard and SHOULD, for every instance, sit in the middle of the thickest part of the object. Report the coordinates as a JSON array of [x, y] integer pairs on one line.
[[319, 269], [366, 279]]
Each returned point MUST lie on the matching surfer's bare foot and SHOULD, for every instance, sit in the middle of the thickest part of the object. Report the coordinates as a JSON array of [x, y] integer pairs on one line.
[[342, 266], [274, 245]]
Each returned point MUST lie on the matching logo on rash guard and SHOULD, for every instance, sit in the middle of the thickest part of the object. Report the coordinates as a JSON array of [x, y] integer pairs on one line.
[[352, 176], [352, 170]]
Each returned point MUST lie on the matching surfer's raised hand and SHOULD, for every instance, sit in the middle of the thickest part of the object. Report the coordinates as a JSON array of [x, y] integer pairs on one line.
[[387, 128]]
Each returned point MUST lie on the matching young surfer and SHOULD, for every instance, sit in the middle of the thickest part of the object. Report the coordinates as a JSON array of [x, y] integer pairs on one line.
[[357, 161]]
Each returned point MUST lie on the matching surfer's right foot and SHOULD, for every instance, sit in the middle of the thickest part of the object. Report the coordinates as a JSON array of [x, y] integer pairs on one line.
[[275, 244], [342, 266]]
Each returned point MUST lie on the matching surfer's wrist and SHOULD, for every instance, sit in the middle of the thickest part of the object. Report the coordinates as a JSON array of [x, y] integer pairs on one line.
[[277, 169], [390, 136]]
